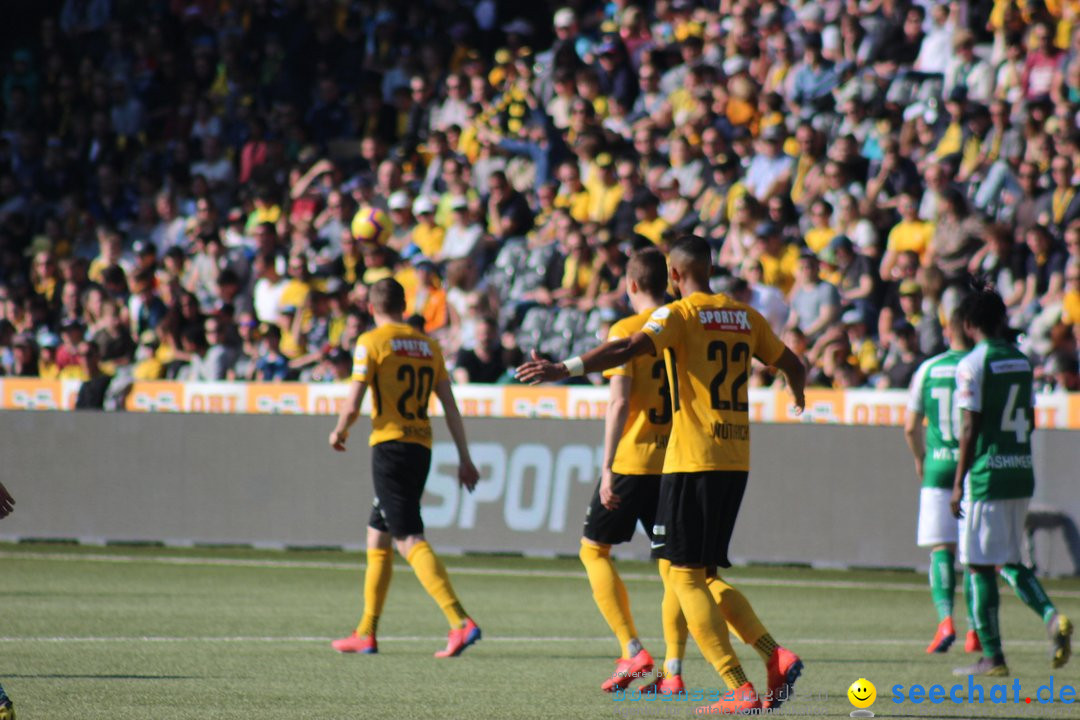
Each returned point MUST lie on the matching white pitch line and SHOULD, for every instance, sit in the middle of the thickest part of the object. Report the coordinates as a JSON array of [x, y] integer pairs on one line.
[[858, 642], [460, 570]]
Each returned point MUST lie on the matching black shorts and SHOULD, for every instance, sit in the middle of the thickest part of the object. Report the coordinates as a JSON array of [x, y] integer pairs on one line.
[[695, 516], [399, 471], [637, 503]]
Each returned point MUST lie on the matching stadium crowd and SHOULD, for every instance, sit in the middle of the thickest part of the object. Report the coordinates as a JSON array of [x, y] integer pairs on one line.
[[205, 189]]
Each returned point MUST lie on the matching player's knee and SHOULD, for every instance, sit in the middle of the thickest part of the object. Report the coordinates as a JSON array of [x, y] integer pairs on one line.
[[407, 543], [590, 550], [377, 539]]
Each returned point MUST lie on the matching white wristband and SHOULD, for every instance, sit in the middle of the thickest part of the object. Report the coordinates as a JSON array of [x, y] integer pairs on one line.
[[575, 366]]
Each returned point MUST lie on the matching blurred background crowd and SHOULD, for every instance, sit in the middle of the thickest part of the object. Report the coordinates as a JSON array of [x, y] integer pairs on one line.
[[204, 189]]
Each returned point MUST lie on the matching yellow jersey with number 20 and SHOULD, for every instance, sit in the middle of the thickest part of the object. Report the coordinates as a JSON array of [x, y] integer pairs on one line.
[[648, 421], [402, 366], [707, 342]]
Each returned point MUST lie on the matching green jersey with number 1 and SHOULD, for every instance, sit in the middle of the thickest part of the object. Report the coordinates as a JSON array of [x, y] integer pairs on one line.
[[995, 380], [933, 393]]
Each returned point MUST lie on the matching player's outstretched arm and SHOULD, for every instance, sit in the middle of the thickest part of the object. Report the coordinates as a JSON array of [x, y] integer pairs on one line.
[[606, 356], [7, 503], [350, 411], [913, 434], [970, 421], [795, 372], [467, 472]]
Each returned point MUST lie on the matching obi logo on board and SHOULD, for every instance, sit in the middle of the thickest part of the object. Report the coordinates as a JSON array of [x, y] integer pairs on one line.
[[534, 402], [822, 406], [874, 407], [156, 397], [277, 398], [1052, 410], [215, 397], [33, 394], [474, 400], [587, 403], [329, 398]]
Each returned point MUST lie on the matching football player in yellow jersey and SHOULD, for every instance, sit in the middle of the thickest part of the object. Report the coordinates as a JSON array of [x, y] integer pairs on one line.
[[707, 342], [635, 434], [403, 367]]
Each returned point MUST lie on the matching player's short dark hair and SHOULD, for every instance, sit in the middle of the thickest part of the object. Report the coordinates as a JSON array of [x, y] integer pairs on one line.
[[387, 297], [648, 268], [692, 250], [984, 309]]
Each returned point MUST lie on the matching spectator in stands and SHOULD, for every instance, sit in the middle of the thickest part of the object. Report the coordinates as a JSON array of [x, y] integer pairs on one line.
[[815, 304], [95, 381], [483, 362], [24, 361], [272, 365], [904, 358], [240, 176]]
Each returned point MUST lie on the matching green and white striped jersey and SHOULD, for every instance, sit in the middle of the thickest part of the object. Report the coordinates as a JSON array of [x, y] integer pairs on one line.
[[995, 380], [933, 394]]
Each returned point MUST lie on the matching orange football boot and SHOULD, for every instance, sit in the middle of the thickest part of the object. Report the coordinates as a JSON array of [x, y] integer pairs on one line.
[[627, 670], [459, 639], [364, 644], [784, 668], [943, 638]]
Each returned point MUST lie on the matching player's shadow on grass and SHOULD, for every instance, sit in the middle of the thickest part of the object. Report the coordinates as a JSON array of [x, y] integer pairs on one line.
[[58, 676]]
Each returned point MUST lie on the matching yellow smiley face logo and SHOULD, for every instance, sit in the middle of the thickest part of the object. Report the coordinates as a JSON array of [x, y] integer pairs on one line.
[[862, 693]]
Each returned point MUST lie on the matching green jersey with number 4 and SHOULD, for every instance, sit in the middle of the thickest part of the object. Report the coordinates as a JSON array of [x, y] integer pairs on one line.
[[933, 395], [995, 380]]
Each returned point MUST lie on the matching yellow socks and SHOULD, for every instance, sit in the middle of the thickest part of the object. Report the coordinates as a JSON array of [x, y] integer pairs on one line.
[[738, 613], [734, 679], [380, 569], [432, 575], [765, 646], [674, 622], [706, 623], [610, 595]]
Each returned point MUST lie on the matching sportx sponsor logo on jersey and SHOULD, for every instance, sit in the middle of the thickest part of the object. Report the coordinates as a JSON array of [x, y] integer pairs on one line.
[[411, 348], [725, 320]]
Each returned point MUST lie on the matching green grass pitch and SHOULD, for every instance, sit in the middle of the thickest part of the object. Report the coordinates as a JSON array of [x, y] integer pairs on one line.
[[134, 633]]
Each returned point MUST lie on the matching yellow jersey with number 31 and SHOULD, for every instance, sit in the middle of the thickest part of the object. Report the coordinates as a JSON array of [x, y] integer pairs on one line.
[[648, 421], [401, 366], [707, 342]]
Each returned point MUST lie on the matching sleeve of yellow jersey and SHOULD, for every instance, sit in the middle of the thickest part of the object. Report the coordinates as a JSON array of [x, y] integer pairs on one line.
[[617, 332], [363, 368], [665, 326], [767, 347]]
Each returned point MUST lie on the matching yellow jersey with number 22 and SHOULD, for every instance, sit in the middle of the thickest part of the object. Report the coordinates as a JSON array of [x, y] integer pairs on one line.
[[707, 342]]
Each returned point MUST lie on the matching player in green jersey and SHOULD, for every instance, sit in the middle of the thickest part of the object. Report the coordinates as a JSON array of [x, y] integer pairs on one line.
[[995, 480], [932, 398]]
